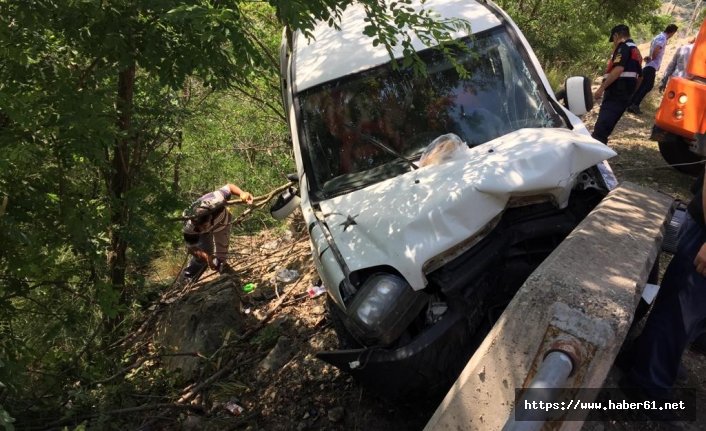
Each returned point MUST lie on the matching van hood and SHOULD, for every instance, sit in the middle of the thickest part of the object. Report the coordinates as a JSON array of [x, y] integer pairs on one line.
[[406, 221]]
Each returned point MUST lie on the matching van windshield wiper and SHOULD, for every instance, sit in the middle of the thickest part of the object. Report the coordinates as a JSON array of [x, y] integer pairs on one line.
[[382, 146]]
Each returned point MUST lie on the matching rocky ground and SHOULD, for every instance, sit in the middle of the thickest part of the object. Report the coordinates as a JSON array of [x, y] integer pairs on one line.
[[273, 381], [265, 376]]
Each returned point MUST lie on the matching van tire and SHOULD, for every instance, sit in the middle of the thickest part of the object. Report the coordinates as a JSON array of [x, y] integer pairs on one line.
[[335, 315], [676, 152]]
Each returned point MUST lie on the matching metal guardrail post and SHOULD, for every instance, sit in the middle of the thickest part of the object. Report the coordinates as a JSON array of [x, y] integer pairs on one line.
[[563, 359]]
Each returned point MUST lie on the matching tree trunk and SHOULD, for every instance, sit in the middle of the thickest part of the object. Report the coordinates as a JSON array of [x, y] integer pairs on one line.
[[177, 164], [119, 182], [697, 8]]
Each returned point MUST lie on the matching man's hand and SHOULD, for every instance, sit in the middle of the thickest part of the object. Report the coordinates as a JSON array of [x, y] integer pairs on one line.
[[198, 254], [700, 261], [598, 94], [214, 263], [246, 197]]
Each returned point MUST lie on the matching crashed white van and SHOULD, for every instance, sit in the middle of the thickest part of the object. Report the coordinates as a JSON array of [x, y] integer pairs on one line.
[[420, 261]]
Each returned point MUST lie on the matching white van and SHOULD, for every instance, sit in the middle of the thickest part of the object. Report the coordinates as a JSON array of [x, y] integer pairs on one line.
[[419, 261]]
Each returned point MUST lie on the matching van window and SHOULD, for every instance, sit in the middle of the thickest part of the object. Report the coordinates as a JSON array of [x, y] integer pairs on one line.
[[406, 112]]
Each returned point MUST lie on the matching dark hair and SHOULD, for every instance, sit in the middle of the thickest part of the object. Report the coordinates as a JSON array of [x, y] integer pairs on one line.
[[621, 30], [671, 28]]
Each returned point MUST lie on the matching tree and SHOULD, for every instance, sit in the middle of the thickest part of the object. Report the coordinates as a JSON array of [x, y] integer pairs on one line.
[[571, 34]]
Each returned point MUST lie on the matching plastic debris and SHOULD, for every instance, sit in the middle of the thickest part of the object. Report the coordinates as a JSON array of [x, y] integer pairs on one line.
[[650, 292], [315, 291], [249, 287], [234, 408], [285, 275]]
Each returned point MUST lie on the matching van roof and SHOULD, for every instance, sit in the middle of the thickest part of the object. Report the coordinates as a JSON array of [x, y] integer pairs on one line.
[[335, 53]]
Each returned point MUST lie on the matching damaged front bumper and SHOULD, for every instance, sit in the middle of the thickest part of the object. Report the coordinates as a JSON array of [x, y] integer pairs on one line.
[[400, 372]]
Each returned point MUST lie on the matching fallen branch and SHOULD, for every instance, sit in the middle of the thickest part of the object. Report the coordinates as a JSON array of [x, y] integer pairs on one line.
[[260, 201], [142, 408], [191, 393], [145, 359]]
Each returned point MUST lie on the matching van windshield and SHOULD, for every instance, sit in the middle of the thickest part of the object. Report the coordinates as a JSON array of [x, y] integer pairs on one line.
[[406, 112]]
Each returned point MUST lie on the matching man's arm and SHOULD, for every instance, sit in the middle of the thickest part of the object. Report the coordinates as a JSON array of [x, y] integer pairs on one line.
[[244, 196], [612, 76], [198, 253], [201, 255], [655, 52], [670, 69]]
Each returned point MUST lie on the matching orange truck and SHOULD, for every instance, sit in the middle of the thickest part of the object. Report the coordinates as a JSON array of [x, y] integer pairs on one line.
[[680, 122]]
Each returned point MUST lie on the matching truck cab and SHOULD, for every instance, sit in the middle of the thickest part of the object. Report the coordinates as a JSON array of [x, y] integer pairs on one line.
[[680, 122], [419, 259]]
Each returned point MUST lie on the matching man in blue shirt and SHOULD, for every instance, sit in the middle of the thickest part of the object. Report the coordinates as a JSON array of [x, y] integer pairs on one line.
[[654, 61]]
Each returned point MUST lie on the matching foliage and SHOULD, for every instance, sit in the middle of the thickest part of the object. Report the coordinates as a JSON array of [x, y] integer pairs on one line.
[[113, 116], [234, 141], [576, 41]]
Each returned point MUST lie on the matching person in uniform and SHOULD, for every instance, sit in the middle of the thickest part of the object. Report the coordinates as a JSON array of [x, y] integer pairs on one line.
[[619, 82]]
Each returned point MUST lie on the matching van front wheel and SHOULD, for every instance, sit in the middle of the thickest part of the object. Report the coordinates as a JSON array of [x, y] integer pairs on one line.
[[336, 316]]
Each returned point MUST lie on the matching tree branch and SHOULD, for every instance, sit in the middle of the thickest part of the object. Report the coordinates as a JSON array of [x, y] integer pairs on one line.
[[257, 99]]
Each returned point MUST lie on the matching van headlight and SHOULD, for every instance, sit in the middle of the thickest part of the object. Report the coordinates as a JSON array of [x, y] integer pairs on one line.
[[383, 308]]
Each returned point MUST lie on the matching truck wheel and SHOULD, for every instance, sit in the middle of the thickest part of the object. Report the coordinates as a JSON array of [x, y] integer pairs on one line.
[[677, 152]]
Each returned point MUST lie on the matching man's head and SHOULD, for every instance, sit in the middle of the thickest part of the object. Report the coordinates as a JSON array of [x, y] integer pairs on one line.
[[619, 33], [670, 30]]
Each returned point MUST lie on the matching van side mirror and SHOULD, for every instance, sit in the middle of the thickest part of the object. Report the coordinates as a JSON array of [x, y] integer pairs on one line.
[[577, 95], [285, 204]]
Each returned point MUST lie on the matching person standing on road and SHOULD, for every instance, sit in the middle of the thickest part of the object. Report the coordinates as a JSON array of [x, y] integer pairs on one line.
[[619, 82], [677, 67], [679, 313], [654, 61], [208, 223]]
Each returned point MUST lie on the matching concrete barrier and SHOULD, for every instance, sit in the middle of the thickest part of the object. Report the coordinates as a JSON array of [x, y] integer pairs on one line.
[[584, 294]]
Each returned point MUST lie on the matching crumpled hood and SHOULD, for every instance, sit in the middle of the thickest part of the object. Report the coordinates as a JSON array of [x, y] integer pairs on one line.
[[407, 220]]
